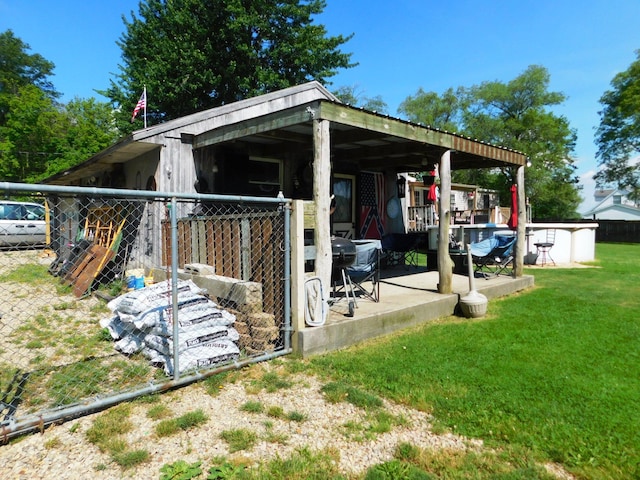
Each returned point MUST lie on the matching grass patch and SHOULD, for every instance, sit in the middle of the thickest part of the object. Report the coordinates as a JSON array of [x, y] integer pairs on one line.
[[157, 412], [187, 421], [252, 407], [130, 458], [336, 392], [302, 465], [71, 383], [239, 439], [34, 274], [552, 372], [296, 417]]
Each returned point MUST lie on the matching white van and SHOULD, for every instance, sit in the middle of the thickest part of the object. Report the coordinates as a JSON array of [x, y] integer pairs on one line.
[[22, 224]]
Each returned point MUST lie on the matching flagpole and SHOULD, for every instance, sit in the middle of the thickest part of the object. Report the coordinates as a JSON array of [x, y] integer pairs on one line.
[[145, 106]]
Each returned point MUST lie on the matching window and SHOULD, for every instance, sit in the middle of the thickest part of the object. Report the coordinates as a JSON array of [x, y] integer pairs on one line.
[[617, 199], [266, 175]]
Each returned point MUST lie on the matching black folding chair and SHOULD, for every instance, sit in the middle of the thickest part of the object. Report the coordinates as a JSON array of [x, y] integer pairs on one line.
[[401, 249]]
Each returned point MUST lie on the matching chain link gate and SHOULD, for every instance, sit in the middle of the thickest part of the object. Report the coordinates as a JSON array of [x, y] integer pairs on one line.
[[112, 294]]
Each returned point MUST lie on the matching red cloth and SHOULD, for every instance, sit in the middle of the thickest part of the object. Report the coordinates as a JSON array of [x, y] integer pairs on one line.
[[431, 194], [512, 223]]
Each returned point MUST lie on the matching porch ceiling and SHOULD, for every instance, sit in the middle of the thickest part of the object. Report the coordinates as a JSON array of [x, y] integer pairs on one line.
[[362, 138]]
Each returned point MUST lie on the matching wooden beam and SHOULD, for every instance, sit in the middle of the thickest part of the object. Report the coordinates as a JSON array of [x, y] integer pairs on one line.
[[410, 131], [235, 128]]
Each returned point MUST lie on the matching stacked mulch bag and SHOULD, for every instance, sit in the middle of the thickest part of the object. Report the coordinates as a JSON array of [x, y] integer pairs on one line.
[[142, 321]]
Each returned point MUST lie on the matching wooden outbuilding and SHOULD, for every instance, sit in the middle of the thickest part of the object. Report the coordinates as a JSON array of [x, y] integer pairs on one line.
[[304, 142]]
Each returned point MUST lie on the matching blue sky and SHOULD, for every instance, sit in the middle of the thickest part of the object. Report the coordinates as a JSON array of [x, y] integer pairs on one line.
[[400, 46]]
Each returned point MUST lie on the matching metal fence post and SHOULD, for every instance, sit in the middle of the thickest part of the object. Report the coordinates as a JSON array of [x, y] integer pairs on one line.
[[174, 287]]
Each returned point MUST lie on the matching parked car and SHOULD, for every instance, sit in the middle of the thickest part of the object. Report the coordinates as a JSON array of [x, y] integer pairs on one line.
[[22, 224]]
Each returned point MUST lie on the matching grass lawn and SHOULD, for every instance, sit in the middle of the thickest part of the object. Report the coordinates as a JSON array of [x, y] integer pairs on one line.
[[551, 374]]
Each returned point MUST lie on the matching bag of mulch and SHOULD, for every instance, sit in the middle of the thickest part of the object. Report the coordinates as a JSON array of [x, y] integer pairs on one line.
[[193, 317], [155, 295], [191, 338], [201, 357], [151, 317], [131, 343], [116, 328]]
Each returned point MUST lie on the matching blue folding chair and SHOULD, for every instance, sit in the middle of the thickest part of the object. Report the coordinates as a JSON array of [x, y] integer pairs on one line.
[[494, 255]]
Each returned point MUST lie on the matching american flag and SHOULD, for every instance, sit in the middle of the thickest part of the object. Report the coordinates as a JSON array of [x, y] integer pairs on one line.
[[142, 103], [371, 205]]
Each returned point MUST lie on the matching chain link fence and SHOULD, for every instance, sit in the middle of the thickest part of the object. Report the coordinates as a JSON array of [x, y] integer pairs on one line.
[[106, 295]]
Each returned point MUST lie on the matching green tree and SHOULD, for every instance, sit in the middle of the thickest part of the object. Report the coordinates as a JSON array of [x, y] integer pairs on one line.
[[516, 115], [38, 135], [438, 111], [351, 96], [198, 54], [19, 69], [25, 136], [85, 127], [618, 135]]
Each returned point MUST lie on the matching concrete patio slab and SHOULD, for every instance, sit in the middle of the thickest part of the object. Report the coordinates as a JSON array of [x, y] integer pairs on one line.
[[408, 297]]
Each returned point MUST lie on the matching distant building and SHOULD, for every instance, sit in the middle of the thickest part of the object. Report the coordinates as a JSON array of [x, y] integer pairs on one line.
[[613, 204]]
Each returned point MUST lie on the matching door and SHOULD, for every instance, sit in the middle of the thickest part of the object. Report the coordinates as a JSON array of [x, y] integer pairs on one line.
[[343, 220]]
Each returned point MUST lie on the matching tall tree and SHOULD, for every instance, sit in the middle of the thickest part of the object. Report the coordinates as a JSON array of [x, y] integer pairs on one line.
[[517, 115], [439, 111], [352, 95], [618, 136], [18, 68], [198, 54], [38, 135]]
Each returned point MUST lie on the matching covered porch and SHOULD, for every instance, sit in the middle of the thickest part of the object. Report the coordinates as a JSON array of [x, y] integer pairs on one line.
[[408, 297]]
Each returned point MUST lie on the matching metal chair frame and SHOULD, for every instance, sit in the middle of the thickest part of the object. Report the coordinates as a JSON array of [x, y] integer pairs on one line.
[[543, 248]]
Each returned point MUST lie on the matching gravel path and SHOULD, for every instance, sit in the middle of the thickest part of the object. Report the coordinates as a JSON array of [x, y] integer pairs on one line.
[[63, 452]]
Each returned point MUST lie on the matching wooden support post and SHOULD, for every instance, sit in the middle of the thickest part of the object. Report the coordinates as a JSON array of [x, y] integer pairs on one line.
[[297, 271], [321, 197], [445, 265], [518, 265]]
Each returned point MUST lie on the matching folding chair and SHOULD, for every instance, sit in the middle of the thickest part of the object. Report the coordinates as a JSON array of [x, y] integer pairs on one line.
[[493, 256], [544, 247], [365, 268], [402, 248]]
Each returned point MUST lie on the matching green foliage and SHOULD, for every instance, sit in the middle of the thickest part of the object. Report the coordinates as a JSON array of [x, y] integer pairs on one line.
[[396, 470], [272, 382], [341, 392], [39, 136], [516, 115], [440, 111], [351, 96], [27, 273], [194, 55], [252, 407], [547, 372], [19, 69], [180, 470], [225, 471], [73, 382], [303, 465], [239, 439], [131, 458], [618, 135], [172, 426]]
